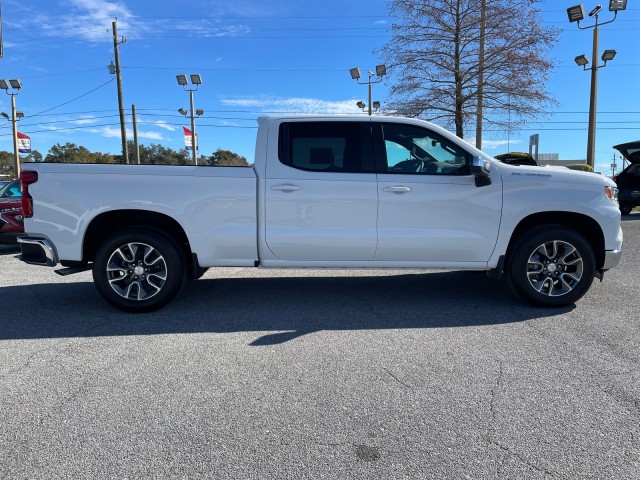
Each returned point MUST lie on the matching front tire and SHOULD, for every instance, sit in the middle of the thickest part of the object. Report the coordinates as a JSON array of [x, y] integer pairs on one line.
[[551, 266], [625, 209], [139, 270]]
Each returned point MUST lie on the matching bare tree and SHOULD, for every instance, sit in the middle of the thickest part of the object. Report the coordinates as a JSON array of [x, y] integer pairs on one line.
[[433, 57]]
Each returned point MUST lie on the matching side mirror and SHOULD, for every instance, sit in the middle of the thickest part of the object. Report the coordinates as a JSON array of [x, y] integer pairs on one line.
[[480, 169]]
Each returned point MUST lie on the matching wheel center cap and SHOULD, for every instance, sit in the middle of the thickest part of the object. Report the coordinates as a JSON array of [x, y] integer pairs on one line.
[[552, 267], [138, 270]]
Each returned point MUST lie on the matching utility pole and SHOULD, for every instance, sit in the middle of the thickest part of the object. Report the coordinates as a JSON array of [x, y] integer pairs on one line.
[[136, 147], [123, 125], [480, 106]]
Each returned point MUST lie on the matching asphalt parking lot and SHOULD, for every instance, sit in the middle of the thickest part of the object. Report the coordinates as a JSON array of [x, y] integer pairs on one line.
[[254, 374]]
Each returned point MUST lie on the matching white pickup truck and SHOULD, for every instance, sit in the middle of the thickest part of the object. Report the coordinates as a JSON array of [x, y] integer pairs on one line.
[[324, 192]]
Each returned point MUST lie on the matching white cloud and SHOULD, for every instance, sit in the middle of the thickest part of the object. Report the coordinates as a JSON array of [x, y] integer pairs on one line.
[[88, 19], [293, 105], [159, 123], [147, 135], [114, 132], [211, 28], [83, 121], [95, 13]]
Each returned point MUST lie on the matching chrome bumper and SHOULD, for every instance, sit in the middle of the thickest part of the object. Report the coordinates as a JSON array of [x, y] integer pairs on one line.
[[37, 251], [611, 259]]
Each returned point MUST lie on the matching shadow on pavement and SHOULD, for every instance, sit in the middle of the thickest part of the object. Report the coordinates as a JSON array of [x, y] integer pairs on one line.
[[285, 308], [9, 249]]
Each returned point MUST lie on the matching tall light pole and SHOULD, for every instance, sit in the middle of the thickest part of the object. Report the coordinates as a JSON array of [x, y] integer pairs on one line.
[[576, 14], [14, 85], [196, 80], [381, 71], [480, 106]]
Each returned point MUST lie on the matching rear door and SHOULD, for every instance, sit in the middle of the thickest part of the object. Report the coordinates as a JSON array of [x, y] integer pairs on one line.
[[321, 192]]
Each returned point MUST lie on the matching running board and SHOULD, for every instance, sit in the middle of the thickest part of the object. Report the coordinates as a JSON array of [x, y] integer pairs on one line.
[[71, 270]]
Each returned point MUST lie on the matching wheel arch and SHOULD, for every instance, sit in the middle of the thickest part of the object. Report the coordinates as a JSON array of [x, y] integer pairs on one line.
[[107, 223], [586, 226]]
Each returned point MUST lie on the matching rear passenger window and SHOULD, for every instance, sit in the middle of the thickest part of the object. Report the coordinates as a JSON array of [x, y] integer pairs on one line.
[[326, 146]]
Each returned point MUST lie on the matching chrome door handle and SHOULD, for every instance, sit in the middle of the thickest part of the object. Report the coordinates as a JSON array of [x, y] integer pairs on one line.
[[285, 188], [397, 189]]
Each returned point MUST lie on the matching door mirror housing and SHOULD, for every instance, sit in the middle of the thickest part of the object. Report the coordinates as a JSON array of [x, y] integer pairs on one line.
[[480, 168]]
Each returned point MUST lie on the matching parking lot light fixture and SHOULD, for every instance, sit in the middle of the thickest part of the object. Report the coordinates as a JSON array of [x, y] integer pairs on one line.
[[381, 71], [576, 14], [12, 87], [582, 60], [608, 55], [196, 80], [617, 5]]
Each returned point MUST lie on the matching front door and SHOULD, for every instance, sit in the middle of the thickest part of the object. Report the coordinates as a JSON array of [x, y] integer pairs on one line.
[[430, 209]]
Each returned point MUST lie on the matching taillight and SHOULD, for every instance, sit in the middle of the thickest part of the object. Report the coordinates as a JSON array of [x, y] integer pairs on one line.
[[27, 177]]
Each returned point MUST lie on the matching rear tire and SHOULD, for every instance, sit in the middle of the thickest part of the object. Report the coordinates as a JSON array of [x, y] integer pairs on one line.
[[139, 270], [625, 209], [551, 266]]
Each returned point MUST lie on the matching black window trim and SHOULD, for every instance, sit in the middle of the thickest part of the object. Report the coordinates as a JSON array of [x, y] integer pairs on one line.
[[382, 165], [284, 142]]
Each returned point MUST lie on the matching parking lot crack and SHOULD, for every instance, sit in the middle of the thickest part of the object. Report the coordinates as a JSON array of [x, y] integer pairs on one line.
[[523, 460], [491, 434], [396, 378], [494, 392]]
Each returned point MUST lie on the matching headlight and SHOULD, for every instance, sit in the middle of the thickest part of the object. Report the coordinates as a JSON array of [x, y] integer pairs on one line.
[[611, 193]]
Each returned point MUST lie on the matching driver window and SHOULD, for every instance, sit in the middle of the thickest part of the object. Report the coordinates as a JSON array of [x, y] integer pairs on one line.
[[416, 150]]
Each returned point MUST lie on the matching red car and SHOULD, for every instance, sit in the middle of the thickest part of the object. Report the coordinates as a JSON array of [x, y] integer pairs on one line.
[[11, 219]]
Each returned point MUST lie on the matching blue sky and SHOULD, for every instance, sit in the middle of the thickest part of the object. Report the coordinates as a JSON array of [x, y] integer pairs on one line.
[[258, 57]]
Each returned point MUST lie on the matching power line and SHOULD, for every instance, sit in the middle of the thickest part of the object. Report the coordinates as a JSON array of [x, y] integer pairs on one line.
[[117, 124], [72, 100]]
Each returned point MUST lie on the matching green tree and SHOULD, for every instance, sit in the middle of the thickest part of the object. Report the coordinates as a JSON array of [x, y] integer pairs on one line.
[[34, 156], [225, 158], [157, 155], [72, 153], [7, 165]]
